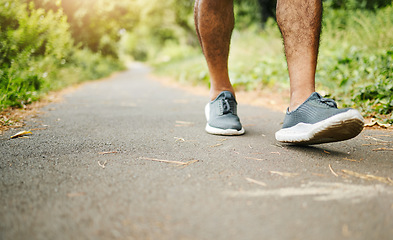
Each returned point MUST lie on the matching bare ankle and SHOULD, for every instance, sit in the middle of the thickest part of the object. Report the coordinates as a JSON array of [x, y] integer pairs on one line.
[[215, 92], [298, 98]]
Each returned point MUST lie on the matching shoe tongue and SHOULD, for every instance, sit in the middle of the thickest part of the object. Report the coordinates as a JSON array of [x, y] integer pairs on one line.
[[315, 95], [227, 95], [327, 101]]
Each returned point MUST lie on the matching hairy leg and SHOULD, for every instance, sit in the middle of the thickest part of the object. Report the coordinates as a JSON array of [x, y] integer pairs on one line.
[[214, 22], [300, 25]]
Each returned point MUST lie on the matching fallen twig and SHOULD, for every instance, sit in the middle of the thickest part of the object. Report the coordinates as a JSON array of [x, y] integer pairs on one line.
[[36, 129], [368, 177], [103, 153], [351, 160], [222, 140], [256, 182], [284, 174], [162, 160], [390, 180], [190, 162], [278, 145], [258, 159], [383, 149], [169, 161], [102, 165], [218, 144], [376, 139], [374, 144], [179, 139], [331, 169]]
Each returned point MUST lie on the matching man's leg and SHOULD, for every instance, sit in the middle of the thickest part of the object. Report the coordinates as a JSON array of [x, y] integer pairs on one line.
[[310, 119], [300, 25], [214, 22]]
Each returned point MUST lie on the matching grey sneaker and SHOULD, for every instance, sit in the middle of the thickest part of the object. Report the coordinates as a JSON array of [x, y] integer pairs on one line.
[[318, 120], [221, 116]]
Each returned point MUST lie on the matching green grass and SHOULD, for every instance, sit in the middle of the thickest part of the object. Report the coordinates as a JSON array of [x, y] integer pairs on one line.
[[355, 64], [356, 60]]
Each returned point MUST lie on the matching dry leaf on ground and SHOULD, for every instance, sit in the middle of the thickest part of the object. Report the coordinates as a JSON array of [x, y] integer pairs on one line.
[[376, 122], [21, 133]]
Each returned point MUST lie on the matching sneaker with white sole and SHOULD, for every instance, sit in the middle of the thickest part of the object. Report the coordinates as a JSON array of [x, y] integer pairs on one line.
[[318, 120], [221, 116]]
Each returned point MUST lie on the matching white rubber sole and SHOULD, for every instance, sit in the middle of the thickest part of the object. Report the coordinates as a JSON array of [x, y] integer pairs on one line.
[[339, 127], [219, 131]]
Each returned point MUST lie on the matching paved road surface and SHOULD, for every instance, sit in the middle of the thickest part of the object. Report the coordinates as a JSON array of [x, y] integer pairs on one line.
[[59, 184]]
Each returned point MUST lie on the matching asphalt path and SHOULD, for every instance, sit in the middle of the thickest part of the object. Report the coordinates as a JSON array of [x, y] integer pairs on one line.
[[128, 158]]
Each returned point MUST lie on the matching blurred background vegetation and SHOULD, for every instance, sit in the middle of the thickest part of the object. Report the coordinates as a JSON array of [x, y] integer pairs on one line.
[[49, 44]]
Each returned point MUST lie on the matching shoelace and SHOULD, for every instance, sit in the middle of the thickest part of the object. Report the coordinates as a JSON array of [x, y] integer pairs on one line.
[[329, 102], [226, 106]]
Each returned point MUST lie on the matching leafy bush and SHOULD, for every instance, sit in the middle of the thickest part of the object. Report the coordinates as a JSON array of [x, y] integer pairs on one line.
[[32, 44], [355, 63], [358, 4], [37, 54]]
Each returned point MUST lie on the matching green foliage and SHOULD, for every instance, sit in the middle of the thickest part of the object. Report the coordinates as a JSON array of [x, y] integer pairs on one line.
[[33, 43], [247, 12], [161, 24], [357, 4], [360, 79], [95, 24], [85, 65], [37, 54], [135, 27], [355, 64]]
